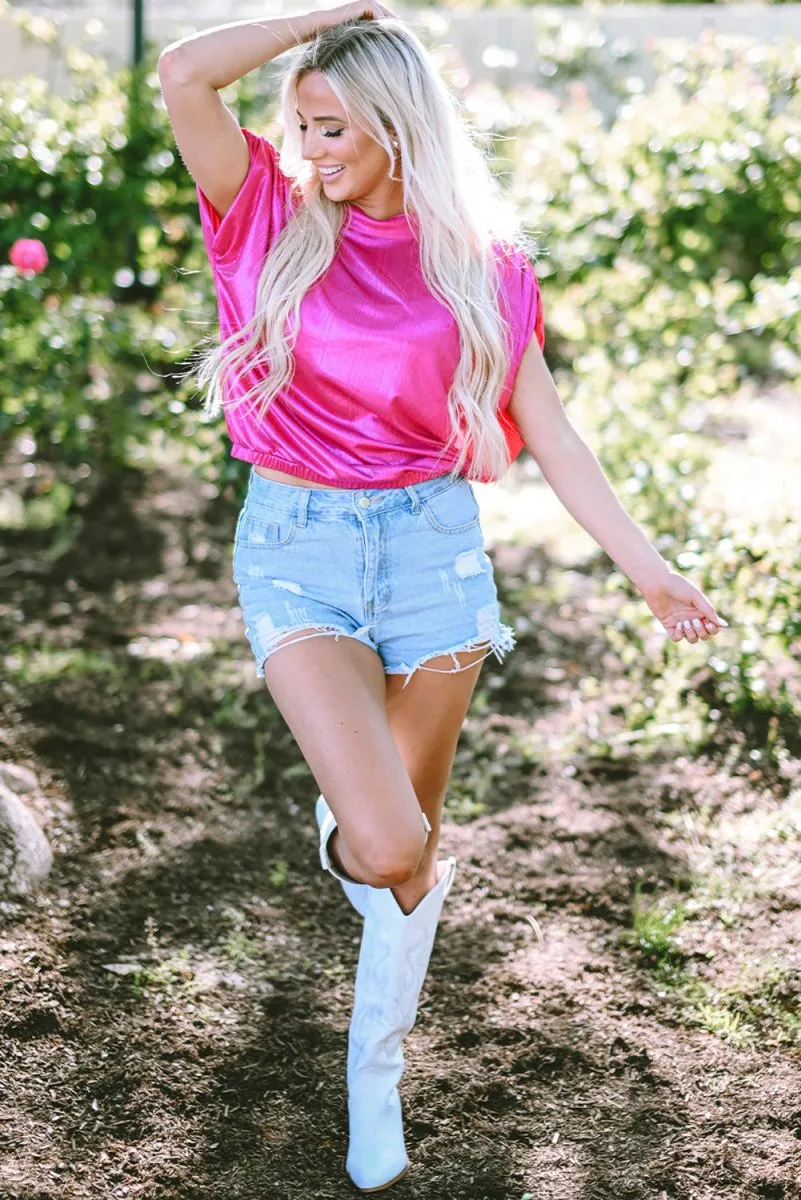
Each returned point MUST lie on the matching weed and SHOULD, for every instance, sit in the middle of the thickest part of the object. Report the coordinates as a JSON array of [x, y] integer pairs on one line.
[[28, 666], [171, 975], [653, 931], [791, 1025], [717, 1018], [279, 874], [462, 804], [239, 948]]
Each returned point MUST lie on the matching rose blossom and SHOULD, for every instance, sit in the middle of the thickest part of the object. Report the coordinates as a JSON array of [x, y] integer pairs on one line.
[[29, 254]]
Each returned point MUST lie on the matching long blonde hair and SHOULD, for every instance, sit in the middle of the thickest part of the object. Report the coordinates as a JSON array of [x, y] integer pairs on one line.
[[387, 83]]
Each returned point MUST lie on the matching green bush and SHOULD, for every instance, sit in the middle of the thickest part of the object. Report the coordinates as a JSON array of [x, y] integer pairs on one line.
[[91, 346], [672, 273], [90, 181]]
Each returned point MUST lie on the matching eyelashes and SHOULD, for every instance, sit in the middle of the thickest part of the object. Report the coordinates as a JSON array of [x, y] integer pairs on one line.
[[329, 133]]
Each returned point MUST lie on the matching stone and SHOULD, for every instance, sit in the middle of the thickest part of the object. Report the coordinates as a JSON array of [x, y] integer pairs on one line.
[[25, 854], [19, 779]]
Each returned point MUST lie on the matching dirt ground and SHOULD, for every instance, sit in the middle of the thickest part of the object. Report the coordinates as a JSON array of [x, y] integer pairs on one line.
[[175, 1002]]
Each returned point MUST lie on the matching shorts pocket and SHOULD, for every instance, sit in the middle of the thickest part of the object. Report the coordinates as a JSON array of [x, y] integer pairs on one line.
[[453, 510], [264, 527]]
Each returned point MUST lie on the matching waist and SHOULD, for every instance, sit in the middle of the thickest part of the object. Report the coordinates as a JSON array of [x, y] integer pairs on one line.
[[294, 480], [334, 503]]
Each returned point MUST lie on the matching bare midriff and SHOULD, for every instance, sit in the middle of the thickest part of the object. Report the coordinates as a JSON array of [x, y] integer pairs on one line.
[[282, 477]]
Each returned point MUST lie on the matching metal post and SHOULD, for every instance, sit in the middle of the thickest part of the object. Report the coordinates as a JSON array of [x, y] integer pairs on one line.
[[134, 108], [138, 31]]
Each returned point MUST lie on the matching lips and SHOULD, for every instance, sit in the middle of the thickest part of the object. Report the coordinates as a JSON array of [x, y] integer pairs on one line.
[[331, 174]]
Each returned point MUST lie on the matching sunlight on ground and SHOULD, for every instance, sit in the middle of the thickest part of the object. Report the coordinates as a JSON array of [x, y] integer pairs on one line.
[[754, 476], [760, 476]]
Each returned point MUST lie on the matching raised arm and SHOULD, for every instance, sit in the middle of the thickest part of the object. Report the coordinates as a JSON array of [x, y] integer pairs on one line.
[[191, 72]]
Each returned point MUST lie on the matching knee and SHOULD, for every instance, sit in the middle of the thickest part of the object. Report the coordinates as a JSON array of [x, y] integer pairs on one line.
[[391, 865]]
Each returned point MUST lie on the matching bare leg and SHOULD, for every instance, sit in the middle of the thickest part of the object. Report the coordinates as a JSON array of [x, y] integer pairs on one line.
[[426, 719], [332, 695]]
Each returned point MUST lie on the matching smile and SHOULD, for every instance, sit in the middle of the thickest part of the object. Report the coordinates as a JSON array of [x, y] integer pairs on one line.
[[329, 172]]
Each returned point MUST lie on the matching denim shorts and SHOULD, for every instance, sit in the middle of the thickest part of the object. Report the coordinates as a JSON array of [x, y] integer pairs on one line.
[[402, 569]]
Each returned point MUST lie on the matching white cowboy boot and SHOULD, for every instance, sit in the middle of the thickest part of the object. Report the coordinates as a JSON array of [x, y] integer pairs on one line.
[[326, 822], [393, 961]]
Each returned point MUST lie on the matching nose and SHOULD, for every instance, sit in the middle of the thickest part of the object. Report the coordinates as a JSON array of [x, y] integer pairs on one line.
[[308, 149]]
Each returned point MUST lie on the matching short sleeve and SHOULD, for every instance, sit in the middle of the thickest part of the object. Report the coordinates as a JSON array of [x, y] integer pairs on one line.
[[257, 214], [525, 304], [521, 304]]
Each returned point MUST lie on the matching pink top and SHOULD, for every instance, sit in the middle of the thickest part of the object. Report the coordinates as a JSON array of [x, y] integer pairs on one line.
[[376, 351]]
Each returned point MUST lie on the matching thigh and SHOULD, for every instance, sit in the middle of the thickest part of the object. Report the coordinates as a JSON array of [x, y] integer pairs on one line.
[[426, 717], [331, 693]]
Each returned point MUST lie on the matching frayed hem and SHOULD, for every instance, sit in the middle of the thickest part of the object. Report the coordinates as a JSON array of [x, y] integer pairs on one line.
[[320, 630], [500, 645]]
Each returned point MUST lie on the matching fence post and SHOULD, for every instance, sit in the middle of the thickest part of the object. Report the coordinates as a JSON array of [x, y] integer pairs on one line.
[[134, 111]]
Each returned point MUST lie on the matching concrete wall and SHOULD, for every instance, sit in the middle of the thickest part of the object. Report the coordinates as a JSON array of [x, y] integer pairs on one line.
[[498, 44]]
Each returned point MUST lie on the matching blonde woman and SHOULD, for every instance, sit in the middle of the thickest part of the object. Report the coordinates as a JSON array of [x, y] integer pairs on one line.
[[381, 346]]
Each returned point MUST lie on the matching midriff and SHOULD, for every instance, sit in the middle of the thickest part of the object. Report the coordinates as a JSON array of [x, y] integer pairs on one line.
[[282, 477]]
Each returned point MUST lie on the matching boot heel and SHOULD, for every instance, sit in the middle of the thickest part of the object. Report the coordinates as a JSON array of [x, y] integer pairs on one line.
[[383, 1186]]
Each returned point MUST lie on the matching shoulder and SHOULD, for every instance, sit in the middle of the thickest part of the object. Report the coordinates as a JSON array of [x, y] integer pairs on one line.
[[512, 258], [519, 292], [258, 211], [517, 277]]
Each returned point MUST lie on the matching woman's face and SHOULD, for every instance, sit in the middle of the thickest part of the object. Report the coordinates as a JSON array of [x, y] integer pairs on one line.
[[329, 141]]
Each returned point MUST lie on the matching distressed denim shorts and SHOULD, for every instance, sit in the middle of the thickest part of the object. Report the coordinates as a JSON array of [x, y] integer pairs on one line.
[[401, 569]]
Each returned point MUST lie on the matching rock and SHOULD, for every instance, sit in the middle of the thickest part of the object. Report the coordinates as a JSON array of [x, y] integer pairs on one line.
[[25, 854], [19, 779]]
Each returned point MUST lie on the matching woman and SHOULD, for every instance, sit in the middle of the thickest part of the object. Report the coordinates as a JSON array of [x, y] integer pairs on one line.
[[415, 365]]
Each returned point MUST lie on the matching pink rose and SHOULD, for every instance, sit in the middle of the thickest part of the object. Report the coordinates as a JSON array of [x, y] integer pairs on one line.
[[29, 254]]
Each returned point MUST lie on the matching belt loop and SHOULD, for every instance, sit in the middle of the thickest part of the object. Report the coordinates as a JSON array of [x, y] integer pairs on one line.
[[415, 499], [303, 504]]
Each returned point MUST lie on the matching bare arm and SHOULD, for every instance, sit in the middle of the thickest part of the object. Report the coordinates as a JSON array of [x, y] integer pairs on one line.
[[574, 473], [218, 57], [577, 478], [192, 70], [206, 131]]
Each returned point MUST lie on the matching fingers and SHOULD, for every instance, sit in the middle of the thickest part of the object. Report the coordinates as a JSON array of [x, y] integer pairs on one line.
[[707, 610], [697, 629]]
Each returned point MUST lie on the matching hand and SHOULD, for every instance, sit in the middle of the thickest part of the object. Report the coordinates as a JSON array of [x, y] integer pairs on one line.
[[682, 608], [369, 10]]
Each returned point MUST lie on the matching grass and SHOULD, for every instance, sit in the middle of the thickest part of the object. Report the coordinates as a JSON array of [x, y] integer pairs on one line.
[[764, 1002], [239, 948], [24, 665], [654, 929], [718, 1019]]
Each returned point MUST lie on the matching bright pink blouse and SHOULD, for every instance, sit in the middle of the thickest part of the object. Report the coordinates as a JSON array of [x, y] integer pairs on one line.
[[375, 353]]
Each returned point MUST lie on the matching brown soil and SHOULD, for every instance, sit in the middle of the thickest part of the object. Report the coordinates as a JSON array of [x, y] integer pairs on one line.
[[181, 815]]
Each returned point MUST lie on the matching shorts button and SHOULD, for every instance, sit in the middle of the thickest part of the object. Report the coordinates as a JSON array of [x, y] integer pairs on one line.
[[364, 502]]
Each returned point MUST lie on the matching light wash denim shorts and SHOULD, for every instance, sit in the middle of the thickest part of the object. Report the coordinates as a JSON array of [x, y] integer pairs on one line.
[[402, 569]]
